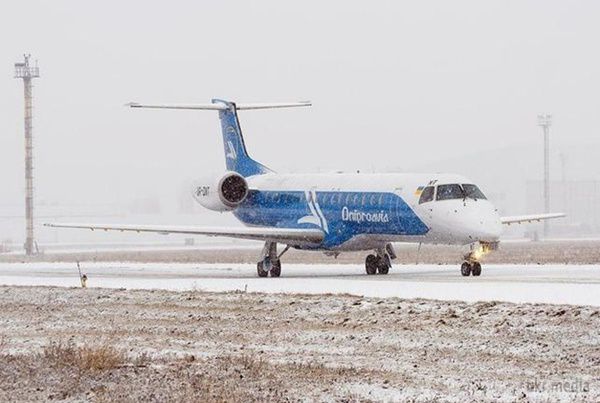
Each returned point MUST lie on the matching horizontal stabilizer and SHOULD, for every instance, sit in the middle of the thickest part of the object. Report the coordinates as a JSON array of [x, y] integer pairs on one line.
[[208, 107], [520, 219], [218, 106], [293, 236]]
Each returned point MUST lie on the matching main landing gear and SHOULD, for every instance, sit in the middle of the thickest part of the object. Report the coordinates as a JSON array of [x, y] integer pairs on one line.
[[381, 262], [271, 262]]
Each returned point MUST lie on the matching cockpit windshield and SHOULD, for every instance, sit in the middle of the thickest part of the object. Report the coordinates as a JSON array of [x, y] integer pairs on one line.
[[427, 195], [449, 192], [473, 192]]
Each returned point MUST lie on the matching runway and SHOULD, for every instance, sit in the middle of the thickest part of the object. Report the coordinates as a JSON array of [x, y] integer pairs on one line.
[[554, 284]]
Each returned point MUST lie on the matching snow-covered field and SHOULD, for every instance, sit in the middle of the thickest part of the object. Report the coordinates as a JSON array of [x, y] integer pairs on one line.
[[360, 338], [556, 284], [73, 344]]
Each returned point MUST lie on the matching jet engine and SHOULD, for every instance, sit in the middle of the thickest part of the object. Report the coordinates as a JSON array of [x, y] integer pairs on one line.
[[222, 193]]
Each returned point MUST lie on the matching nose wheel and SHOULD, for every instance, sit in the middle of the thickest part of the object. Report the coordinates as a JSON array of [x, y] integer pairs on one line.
[[472, 264], [468, 268]]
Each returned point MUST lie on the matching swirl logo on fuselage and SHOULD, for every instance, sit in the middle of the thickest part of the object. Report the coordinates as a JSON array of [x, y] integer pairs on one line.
[[316, 216]]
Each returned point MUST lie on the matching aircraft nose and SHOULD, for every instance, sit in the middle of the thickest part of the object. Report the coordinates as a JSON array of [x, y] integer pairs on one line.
[[485, 227]]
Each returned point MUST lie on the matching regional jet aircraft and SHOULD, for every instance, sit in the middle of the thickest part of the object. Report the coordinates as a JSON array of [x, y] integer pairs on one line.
[[334, 213]]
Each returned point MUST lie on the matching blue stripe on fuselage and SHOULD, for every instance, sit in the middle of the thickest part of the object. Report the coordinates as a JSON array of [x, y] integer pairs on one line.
[[341, 215]]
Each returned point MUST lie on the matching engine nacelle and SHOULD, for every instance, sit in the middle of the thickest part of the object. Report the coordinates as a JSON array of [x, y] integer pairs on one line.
[[224, 193]]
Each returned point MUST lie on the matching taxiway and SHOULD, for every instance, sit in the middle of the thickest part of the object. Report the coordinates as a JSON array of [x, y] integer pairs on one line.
[[554, 284]]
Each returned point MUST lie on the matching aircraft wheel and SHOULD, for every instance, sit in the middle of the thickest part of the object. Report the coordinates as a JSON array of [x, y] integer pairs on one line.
[[476, 269], [276, 268], [260, 269], [465, 269], [383, 267], [371, 264]]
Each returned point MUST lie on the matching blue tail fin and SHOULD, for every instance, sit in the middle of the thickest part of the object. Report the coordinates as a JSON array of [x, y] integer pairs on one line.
[[236, 156]]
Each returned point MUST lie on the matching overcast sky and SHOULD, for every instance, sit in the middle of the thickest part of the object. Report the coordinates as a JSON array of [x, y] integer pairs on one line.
[[396, 85]]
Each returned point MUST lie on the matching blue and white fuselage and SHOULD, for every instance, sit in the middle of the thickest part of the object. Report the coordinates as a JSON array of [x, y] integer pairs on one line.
[[364, 211], [335, 212]]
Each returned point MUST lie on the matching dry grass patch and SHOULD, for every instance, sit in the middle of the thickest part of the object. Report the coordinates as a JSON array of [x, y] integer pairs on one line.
[[84, 358]]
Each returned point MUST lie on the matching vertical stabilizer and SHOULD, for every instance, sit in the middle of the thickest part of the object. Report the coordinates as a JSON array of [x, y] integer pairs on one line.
[[236, 155]]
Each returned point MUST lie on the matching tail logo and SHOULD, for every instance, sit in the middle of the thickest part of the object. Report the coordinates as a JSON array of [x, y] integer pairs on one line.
[[316, 216], [230, 151]]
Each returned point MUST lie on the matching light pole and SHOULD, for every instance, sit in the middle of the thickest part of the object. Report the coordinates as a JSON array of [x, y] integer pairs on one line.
[[545, 121], [28, 72]]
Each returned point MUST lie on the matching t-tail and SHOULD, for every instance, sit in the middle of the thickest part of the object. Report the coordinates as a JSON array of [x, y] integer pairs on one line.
[[236, 155]]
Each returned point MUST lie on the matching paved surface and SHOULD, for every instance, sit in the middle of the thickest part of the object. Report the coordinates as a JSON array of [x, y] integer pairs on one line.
[[561, 284]]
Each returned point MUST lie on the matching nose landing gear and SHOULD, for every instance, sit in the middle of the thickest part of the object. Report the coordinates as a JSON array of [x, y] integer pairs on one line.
[[472, 263], [468, 268]]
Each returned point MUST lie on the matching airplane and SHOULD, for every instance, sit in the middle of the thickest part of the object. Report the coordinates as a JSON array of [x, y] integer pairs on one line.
[[338, 212]]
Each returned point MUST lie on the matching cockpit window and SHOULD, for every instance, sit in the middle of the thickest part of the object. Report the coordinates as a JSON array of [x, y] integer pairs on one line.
[[449, 192], [426, 195], [473, 192]]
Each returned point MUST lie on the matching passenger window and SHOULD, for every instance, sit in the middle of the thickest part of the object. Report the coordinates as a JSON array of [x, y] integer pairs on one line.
[[426, 195], [373, 200], [473, 192], [450, 192], [355, 199]]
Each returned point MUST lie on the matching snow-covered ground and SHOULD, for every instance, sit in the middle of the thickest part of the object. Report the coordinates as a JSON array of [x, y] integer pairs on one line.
[[154, 345], [556, 284]]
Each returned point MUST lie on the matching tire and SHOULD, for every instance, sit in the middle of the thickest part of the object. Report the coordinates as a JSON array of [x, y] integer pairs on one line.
[[465, 269], [260, 270], [383, 266], [276, 268], [371, 264], [476, 269]]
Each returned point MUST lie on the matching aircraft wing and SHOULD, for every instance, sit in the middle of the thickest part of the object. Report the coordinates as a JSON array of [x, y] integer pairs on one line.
[[520, 219], [292, 236]]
